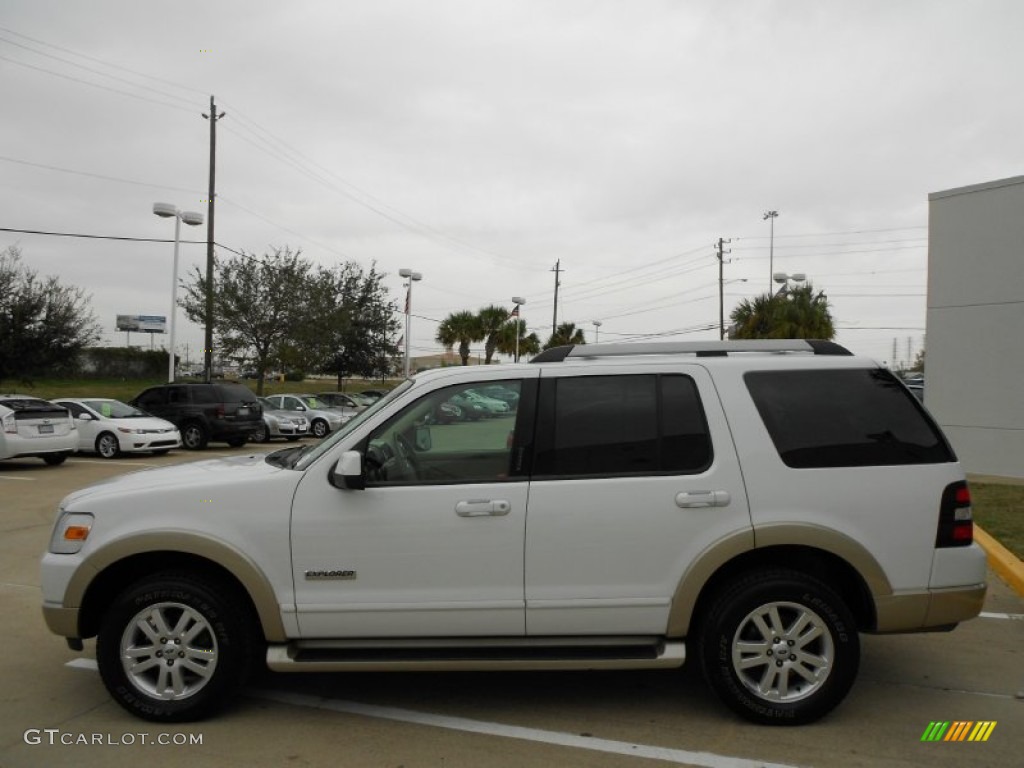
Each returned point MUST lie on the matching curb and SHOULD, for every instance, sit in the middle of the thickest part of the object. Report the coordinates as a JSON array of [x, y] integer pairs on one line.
[[1001, 560]]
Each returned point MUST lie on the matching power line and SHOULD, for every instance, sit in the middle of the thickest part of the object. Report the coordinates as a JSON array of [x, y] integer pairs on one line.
[[96, 85], [97, 175], [101, 61]]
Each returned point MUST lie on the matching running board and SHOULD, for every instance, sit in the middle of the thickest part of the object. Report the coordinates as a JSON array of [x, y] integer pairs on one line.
[[475, 654]]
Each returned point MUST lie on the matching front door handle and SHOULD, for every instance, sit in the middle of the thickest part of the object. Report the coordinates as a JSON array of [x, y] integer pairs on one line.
[[690, 499], [482, 508]]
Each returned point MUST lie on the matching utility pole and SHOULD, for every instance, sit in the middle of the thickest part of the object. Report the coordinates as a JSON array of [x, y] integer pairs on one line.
[[213, 117], [721, 287], [554, 320]]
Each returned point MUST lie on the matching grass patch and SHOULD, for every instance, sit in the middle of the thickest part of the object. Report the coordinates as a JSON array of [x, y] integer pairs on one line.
[[999, 509]]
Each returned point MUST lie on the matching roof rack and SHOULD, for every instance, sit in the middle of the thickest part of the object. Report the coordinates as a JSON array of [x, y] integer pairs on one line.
[[698, 348]]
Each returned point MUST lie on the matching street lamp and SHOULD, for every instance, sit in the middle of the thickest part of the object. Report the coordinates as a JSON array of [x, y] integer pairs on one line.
[[784, 279], [771, 216], [597, 329], [412, 277], [193, 219], [518, 301]]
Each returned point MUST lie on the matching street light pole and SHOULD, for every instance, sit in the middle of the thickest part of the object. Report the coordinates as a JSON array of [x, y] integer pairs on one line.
[[412, 277], [771, 216], [518, 301], [166, 210]]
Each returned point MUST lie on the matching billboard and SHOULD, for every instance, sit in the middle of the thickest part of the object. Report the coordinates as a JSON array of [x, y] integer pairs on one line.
[[142, 323]]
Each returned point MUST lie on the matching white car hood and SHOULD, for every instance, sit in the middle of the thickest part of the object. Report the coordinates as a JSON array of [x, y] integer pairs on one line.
[[188, 479], [150, 422]]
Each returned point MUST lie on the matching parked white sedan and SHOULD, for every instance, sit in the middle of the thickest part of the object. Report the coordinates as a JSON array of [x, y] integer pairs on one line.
[[110, 427]]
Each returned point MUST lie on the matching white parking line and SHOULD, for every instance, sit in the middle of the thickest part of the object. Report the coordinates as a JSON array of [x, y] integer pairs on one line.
[[9, 477], [113, 462], [1008, 616], [575, 741], [701, 759]]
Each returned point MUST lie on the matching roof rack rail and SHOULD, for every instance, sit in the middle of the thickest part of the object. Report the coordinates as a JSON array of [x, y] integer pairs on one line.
[[698, 348]]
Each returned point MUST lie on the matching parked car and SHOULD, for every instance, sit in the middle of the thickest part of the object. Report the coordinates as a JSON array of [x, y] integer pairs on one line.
[[277, 423], [322, 418], [467, 409], [754, 512], [343, 402], [493, 406], [110, 427], [499, 392], [35, 427], [221, 411]]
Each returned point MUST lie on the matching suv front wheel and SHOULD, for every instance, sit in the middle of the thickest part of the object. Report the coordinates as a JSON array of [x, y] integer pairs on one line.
[[779, 647], [174, 648]]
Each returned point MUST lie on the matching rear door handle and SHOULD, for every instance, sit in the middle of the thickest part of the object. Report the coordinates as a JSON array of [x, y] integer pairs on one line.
[[690, 499], [482, 508]]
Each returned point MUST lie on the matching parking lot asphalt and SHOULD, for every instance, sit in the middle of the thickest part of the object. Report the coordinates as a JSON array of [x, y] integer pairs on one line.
[[55, 711]]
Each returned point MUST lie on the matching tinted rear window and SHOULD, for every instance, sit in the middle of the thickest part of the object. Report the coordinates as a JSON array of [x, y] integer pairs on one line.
[[845, 418], [235, 393]]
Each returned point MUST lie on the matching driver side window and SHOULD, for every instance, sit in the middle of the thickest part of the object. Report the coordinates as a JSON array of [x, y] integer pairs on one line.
[[459, 434]]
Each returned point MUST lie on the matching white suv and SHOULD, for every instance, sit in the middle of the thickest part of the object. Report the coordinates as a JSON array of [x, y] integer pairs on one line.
[[753, 504]]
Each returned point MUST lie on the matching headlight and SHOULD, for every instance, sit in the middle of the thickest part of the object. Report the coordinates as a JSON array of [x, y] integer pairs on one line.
[[70, 532], [129, 431]]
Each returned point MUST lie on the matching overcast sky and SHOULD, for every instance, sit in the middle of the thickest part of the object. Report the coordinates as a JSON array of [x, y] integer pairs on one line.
[[480, 141]]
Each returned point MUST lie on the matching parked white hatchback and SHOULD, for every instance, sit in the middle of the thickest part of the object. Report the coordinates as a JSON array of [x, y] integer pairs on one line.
[[110, 427], [30, 426]]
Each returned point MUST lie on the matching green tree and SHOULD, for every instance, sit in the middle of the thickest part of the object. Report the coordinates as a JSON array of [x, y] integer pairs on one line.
[[352, 322], [492, 321], [43, 324], [529, 344], [462, 328], [565, 333], [797, 313], [258, 306]]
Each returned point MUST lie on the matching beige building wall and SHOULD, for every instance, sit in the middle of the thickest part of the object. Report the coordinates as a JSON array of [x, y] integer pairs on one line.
[[974, 361]]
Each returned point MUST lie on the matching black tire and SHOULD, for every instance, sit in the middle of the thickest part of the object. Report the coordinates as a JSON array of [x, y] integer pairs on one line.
[[261, 435], [799, 673], [53, 459], [194, 436], [212, 663], [237, 442], [107, 446], [319, 428]]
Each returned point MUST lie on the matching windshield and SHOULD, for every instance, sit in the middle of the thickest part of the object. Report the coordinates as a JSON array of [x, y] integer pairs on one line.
[[310, 453], [114, 409]]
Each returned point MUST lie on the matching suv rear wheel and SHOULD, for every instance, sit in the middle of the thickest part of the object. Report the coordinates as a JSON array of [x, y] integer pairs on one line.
[[193, 436], [175, 647], [779, 647]]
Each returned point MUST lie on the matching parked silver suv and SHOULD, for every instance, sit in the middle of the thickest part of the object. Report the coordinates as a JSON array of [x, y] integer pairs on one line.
[[754, 505]]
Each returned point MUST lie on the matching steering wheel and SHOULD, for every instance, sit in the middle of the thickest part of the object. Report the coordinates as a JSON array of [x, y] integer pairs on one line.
[[407, 456]]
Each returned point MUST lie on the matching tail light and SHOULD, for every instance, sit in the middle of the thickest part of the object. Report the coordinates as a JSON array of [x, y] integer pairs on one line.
[[10, 424], [220, 411], [956, 520]]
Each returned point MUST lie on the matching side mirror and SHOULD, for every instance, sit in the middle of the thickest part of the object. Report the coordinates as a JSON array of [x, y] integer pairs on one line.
[[423, 440], [86, 417], [348, 472]]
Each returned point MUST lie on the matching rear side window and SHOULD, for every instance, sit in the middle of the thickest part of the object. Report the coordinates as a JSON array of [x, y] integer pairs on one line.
[[205, 395], [621, 425], [845, 418], [235, 393]]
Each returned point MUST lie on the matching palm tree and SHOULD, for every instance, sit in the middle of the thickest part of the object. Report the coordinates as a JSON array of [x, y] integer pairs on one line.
[[462, 328], [528, 344], [796, 313], [566, 333], [492, 321]]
